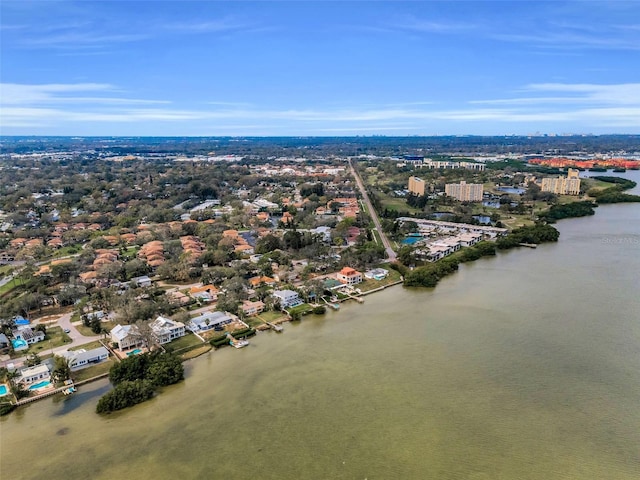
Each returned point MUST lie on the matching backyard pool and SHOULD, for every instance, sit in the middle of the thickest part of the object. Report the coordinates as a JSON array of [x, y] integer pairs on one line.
[[19, 344], [3, 390], [38, 385], [137, 351]]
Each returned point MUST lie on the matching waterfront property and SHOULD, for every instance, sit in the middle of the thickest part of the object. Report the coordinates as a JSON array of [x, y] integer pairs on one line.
[[166, 330], [430, 226], [33, 375], [78, 359], [349, 276], [569, 185], [376, 274], [208, 321], [287, 298], [127, 337], [252, 308]]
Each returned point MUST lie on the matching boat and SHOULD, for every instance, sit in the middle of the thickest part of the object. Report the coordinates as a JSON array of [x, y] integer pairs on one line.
[[69, 391], [240, 343]]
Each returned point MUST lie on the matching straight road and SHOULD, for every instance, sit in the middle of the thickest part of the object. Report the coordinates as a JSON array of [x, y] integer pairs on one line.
[[391, 254]]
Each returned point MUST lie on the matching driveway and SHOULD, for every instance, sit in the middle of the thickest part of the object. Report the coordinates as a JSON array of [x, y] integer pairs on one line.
[[76, 339]]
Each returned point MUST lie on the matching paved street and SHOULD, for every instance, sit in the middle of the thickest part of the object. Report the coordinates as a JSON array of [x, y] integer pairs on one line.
[[391, 254]]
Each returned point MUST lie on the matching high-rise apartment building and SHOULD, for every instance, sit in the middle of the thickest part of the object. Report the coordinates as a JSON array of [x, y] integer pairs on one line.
[[465, 192], [569, 185], [416, 186]]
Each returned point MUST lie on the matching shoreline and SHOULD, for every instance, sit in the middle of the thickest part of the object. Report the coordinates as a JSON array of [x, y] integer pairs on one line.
[[205, 347]]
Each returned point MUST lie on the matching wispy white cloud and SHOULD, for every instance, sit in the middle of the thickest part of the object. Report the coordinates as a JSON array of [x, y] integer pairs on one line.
[[40, 106]]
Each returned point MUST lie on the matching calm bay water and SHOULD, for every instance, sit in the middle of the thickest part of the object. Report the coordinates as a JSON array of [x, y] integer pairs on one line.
[[526, 366]]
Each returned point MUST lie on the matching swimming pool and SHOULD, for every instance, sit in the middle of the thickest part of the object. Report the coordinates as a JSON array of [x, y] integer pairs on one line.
[[38, 385], [19, 344], [134, 352], [3, 390]]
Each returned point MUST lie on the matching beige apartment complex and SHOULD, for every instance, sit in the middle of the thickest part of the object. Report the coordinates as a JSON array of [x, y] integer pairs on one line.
[[416, 185], [465, 192], [569, 185]]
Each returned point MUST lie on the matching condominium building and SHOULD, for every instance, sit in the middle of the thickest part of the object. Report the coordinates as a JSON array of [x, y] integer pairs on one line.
[[465, 192], [416, 185], [569, 185]]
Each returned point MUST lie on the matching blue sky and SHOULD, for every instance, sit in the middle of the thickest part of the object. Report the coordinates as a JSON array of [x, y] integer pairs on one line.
[[319, 68]]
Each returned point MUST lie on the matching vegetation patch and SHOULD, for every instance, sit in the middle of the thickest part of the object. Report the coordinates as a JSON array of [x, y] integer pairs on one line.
[[569, 210], [93, 371], [136, 378]]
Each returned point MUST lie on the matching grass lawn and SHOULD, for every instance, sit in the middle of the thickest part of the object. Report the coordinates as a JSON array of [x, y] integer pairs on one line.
[[395, 203], [87, 332], [68, 250], [270, 316], [196, 352], [8, 287], [87, 346], [5, 270], [55, 338], [254, 322], [188, 340], [372, 284], [305, 307], [94, 371]]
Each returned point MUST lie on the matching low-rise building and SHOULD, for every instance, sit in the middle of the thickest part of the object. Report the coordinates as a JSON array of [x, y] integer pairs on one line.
[[209, 321], [349, 276], [28, 335], [82, 358], [252, 308], [37, 373], [126, 336], [166, 330], [287, 298]]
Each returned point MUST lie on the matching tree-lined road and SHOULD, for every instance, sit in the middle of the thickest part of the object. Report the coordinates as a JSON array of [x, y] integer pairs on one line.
[[391, 254]]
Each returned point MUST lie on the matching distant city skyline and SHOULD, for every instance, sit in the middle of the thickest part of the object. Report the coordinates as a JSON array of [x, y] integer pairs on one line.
[[318, 68]]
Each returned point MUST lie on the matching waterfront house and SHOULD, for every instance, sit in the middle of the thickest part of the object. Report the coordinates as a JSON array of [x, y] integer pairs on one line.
[[166, 330], [252, 308], [82, 358], [126, 336], [287, 298], [376, 274], [38, 373], [349, 276], [208, 321]]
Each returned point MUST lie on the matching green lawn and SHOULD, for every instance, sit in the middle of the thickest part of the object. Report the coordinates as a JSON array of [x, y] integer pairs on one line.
[[94, 371], [5, 270], [254, 322], [55, 338], [68, 250], [189, 340], [7, 287], [87, 346], [87, 332], [271, 316], [392, 277], [305, 307]]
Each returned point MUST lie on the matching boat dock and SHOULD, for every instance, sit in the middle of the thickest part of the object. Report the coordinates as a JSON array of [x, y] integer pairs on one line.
[[277, 328], [237, 343]]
